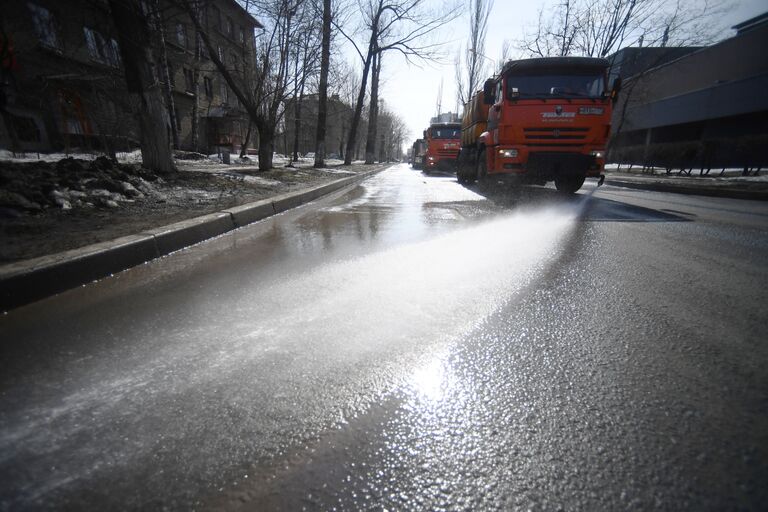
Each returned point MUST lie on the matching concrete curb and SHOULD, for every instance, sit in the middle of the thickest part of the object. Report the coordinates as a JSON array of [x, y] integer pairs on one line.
[[27, 281], [757, 195]]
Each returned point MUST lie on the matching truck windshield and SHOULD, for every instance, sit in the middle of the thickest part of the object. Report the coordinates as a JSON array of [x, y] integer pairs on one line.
[[559, 86], [446, 133]]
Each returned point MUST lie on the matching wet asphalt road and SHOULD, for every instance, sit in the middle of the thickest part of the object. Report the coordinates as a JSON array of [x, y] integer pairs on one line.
[[409, 344]]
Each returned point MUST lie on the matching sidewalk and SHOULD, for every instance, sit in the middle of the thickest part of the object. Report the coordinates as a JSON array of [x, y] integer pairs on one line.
[[736, 187], [28, 280]]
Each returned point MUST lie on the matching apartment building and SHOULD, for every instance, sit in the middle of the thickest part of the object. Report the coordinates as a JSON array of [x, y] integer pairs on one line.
[[63, 87], [339, 120], [208, 115]]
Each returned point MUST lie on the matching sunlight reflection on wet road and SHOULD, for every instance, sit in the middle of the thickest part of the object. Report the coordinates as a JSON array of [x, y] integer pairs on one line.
[[318, 333]]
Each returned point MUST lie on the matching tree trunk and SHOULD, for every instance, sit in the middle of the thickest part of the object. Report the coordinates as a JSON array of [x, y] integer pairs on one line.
[[244, 146], [372, 44], [322, 105], [135, 43], [155, 144], [165, 70], [370, 143], [195, 114], [297, 123], [266, 147], [351, 141]]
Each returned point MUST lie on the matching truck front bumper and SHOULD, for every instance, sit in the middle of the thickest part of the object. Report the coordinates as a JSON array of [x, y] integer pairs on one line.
[[546, 163]]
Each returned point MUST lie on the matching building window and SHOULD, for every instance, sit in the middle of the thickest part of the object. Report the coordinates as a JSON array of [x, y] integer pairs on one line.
[[224, 92], [221, 55], [189, 80], [201, 51], [208, 86], [101, 49], [230, 28], [181, 34], [45, 26], [233, 61], [242, 36]]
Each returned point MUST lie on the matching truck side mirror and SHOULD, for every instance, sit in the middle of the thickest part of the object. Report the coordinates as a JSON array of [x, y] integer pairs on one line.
[[424, 134], [489, 88]]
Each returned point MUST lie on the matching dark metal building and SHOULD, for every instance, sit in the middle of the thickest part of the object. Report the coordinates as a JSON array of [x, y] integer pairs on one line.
[[699, 108]]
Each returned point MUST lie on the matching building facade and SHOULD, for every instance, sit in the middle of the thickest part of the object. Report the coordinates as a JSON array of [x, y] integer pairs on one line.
[[207, 113], [702, 109], [339, 122], [63, 87]]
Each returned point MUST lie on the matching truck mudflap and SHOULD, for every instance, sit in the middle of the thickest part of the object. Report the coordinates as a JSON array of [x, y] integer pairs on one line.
[[601, 180]]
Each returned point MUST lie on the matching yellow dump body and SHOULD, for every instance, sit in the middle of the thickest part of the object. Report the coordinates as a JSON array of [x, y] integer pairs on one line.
[[474, 121]]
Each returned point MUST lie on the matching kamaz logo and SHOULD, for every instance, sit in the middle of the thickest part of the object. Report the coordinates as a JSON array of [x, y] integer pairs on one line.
[[558, 113]]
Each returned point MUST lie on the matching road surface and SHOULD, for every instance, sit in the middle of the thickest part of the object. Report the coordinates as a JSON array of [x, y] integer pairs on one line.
[[409, 344]]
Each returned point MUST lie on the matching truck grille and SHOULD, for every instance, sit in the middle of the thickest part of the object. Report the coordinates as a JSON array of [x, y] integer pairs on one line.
[[448, 153], [549, 133]]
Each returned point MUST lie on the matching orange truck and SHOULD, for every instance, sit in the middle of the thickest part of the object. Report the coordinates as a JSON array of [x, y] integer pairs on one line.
[[539, 120], [443, 145]]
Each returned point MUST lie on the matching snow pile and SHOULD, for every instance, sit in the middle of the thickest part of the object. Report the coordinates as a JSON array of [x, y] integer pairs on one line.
[[67, 184]]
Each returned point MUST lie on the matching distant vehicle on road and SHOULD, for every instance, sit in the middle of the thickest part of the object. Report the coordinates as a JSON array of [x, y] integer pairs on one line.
[[443, 143], [418, 151]]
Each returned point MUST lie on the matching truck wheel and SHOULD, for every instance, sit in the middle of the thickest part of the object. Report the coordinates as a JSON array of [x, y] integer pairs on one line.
[[482, 166], [570, 183]]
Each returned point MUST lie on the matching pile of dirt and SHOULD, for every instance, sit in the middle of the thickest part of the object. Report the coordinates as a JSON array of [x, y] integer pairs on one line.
[[49, 207], [69, 183]]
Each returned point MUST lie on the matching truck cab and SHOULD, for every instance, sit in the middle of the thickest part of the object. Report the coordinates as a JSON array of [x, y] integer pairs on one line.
[[548, 120], [443, 144]]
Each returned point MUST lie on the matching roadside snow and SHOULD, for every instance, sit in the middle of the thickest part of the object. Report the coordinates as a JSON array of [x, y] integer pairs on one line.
[[730, 174]]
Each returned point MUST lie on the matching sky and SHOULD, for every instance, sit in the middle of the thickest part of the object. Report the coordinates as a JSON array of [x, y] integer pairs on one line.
[[411, 90]]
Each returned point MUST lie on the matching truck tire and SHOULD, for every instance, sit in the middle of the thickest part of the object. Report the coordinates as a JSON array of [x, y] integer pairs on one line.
[[569, 183], [465, 168], [481, 166]]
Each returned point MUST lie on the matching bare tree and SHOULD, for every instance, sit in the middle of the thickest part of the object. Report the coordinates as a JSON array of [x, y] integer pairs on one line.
[[158, 30], [393, 132], [263, 88], [322, 106], [373, 110], [133, 31], [343, 82], [470, 70], [400, 26], [597, 28], [306, 50]]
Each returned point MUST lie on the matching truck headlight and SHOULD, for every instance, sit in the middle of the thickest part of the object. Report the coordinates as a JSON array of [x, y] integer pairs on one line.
[[508, 153], [597, 154], [431, 158]]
